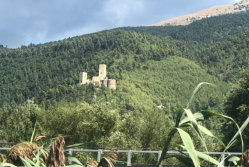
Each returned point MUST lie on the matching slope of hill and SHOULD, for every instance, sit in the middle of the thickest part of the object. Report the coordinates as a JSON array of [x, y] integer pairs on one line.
[[27, 72], [204, 31], [168, 84], [155, 83], [36, 71], [206, 13]]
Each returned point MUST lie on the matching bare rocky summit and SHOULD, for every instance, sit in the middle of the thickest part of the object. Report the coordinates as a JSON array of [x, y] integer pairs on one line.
[[242, 6]]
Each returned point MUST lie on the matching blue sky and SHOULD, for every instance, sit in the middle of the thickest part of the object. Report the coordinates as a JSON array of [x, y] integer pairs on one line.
[[38, 21]]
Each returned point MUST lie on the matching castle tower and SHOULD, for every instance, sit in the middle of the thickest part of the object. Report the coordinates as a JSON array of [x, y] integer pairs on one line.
[[102, 71], [96, 80], [83, 78], [111, 83], [105, 82]]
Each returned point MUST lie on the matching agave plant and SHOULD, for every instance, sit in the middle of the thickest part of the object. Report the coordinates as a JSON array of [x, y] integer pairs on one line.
[[187, 119]]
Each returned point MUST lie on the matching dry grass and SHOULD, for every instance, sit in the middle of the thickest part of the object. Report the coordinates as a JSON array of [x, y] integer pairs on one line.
[[56, 157], [2, 158], [24, 150], [245, 158], [108, 160]]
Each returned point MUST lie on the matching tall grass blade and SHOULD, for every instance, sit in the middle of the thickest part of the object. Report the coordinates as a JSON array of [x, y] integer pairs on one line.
[[197, 88], [194, 124], [198, 117], [188, 144], [206, 131], [33, 134], [75, 145], [73, 159], [7, 165], [207, 158], [190, 116], [222, 161], [179, 117], [166, 146], [184, 159], [239, 132], [27, 163]]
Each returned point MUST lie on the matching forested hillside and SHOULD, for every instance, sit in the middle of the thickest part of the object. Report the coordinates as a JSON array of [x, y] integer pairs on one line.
[[156, 69], [29, 71], [206, 30], [35, 70]]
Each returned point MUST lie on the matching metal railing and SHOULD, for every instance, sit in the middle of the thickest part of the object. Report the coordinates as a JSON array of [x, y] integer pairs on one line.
[[129, 153]]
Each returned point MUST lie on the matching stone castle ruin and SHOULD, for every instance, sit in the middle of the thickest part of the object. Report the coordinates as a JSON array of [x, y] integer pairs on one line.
[[98, 80]]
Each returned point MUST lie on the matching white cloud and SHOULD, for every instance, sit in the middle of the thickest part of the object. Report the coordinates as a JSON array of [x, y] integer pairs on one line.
[[120, 12]]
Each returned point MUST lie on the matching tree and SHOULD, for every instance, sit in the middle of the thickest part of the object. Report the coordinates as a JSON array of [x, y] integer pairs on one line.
[[237, 107], [17, 123]]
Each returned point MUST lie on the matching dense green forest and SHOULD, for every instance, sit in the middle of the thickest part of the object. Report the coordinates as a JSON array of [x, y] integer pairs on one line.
[[156, 69], [203, 31]]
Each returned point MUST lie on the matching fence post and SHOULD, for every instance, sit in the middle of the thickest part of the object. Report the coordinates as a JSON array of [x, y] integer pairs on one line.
[[70, 151], [129, 158], [99, 155], [159, 156], [223, 159]]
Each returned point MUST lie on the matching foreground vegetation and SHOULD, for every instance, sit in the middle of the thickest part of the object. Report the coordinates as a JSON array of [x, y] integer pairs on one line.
[[187, 124]]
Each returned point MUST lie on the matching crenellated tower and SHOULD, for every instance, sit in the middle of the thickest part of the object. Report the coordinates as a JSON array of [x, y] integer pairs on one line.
[[102, 71], [83, 78]]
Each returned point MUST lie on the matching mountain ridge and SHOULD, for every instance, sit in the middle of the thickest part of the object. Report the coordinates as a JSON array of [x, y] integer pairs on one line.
[[242, 6]]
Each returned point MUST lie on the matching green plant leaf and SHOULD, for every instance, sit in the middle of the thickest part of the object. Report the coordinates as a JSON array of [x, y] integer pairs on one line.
[[75, 145], [188, 144], [7, 165], [190, 115], [166, 145], [179, 117], [194, 124], [197, 88], [234, 159], [198, 116], [222, 161], [209, 133], [27, 162], [72, 159], [183, 159], [206, 131], [239, 132], [33, 134], [207, 158], [75, 165], [207, 114]]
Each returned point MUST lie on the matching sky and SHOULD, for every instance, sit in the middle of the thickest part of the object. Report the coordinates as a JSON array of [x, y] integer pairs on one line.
[[38, 21]]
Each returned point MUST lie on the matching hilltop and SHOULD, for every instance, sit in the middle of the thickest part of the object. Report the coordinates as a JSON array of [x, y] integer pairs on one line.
[[208, 30], [242, 6]]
